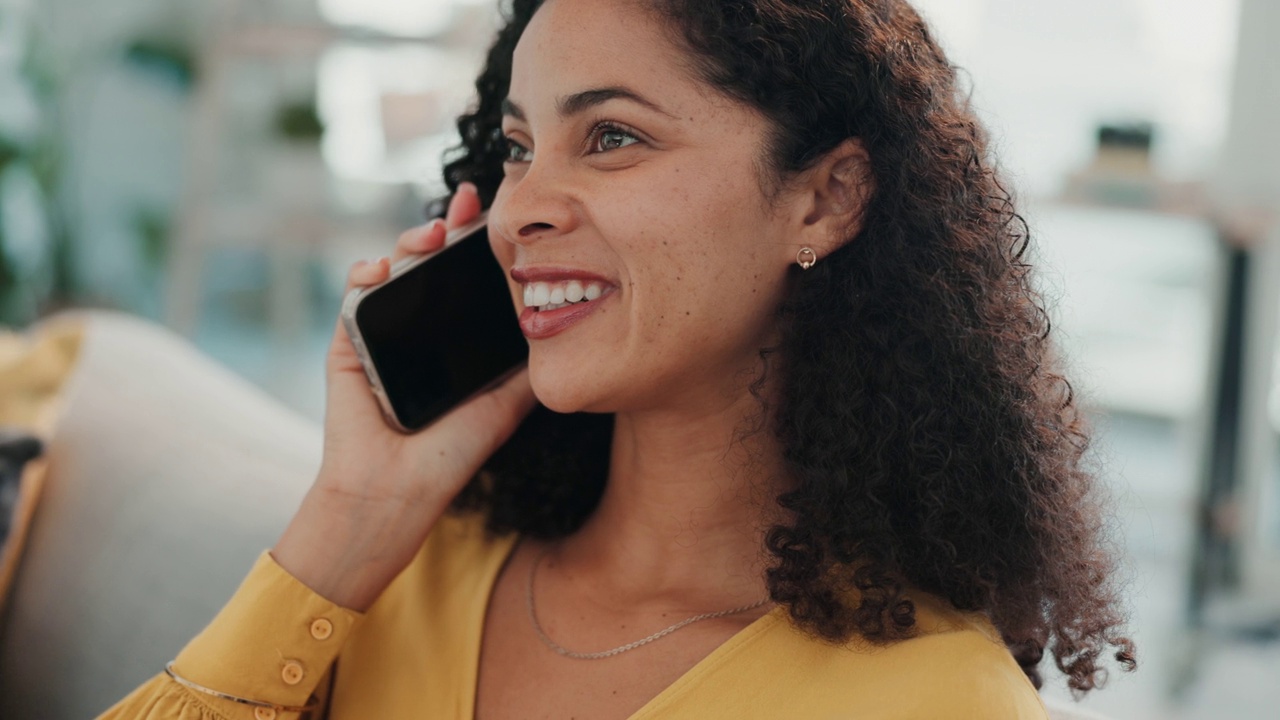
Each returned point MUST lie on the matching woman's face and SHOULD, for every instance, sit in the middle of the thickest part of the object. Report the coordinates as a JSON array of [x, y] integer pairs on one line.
[[629, 176]]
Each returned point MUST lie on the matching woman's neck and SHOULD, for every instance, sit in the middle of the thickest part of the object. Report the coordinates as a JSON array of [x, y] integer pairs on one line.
[[683, 516]]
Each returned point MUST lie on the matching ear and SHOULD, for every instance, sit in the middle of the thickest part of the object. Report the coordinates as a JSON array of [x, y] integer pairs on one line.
[[833, 198]]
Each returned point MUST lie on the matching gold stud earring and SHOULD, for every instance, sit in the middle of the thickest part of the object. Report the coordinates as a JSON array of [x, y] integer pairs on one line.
[[806, 257]]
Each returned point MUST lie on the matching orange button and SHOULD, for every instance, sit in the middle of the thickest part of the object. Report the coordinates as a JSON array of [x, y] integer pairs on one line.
[[321, 629], [265, 713], [292, 673]]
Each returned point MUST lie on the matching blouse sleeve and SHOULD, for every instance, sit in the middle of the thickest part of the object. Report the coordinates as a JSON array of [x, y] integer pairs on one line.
[[273, 642]]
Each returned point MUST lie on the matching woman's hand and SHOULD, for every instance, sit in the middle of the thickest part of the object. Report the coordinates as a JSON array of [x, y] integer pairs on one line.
[[380, 492]]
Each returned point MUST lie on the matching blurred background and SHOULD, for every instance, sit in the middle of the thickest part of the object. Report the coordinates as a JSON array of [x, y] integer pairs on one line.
[[216, 166]]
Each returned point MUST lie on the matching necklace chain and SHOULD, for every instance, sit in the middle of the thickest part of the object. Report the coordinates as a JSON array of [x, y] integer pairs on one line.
[[533, 617]]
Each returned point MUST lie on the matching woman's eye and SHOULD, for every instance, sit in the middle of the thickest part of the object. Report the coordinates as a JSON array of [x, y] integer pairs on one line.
[[515, 151], [612, 138]]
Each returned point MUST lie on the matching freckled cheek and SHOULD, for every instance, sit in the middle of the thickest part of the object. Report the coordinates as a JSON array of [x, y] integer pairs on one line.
[[691, 291], [678, 316]]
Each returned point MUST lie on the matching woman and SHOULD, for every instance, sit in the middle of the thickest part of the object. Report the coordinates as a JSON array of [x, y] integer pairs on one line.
[[812, 411]]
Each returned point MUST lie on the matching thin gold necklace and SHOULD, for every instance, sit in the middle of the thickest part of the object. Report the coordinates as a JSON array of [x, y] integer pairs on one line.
[[533, 617]]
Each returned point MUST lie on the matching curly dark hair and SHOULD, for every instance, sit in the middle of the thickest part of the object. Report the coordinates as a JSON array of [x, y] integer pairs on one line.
[[934, 442]]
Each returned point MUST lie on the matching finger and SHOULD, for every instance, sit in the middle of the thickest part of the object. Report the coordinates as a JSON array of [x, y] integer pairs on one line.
[[464, 206], [364, 273], [422, 239]]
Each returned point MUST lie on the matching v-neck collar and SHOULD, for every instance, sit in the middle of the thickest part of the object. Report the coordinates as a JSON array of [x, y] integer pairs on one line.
[[503, 549]]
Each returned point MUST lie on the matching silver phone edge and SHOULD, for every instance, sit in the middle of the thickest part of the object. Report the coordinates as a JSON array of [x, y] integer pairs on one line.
[[352, 301]]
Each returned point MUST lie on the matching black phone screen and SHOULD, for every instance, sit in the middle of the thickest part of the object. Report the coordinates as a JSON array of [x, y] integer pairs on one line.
[[442, 331]]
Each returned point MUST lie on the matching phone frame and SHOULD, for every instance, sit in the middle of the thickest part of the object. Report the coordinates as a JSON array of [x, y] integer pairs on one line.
[[351, 303]]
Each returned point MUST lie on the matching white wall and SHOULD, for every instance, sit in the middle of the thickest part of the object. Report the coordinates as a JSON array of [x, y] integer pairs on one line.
[[1250, 165], [1046, 72]]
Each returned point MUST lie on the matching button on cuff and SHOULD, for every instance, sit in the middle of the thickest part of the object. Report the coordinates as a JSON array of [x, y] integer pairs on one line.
[[292, 673], [321, 629], [267, 624]]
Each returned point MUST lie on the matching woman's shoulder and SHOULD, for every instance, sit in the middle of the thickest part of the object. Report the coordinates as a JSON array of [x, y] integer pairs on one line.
[[962, 663], [955, 666]]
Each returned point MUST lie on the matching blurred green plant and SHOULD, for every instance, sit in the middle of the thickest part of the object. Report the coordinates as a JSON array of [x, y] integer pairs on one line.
[[9, 154], [152, 226], [39, 272], [299, 121], [172, 58], [28, 290], [169, 56]]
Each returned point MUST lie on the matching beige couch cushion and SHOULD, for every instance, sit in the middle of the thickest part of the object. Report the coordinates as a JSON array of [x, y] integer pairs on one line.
[[167, 476]]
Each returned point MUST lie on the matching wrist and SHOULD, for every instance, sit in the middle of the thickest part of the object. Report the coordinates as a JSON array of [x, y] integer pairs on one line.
[[349, 550]]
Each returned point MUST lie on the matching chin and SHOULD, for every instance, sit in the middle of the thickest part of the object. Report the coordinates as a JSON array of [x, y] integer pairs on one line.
[[559, 388], [565, 388]]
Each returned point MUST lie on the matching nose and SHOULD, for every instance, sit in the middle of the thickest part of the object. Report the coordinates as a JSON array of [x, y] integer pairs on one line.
[[534, 203]]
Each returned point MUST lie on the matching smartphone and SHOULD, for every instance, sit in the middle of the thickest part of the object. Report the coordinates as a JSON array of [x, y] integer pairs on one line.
[[439, 330]]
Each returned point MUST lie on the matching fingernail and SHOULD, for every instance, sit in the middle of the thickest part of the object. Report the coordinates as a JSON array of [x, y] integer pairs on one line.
[[469, 185]]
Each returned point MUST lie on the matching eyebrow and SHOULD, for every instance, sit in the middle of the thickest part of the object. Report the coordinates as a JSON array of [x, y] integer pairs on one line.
[[581, 101]]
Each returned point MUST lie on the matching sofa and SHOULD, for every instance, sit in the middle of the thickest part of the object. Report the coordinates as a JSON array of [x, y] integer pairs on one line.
[[166, 476]]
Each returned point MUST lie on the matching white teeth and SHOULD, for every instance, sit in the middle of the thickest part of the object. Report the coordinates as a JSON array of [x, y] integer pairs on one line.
[[546, 296], [541, 294]]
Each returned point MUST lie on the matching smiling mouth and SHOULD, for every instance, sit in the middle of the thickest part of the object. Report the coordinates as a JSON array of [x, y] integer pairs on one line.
[[542, 296]]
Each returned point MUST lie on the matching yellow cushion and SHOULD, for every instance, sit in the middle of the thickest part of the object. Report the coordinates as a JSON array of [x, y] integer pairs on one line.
[[34, 367]]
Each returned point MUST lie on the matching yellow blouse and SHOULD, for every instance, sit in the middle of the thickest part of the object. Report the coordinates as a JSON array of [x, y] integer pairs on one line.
[[415, 654]]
